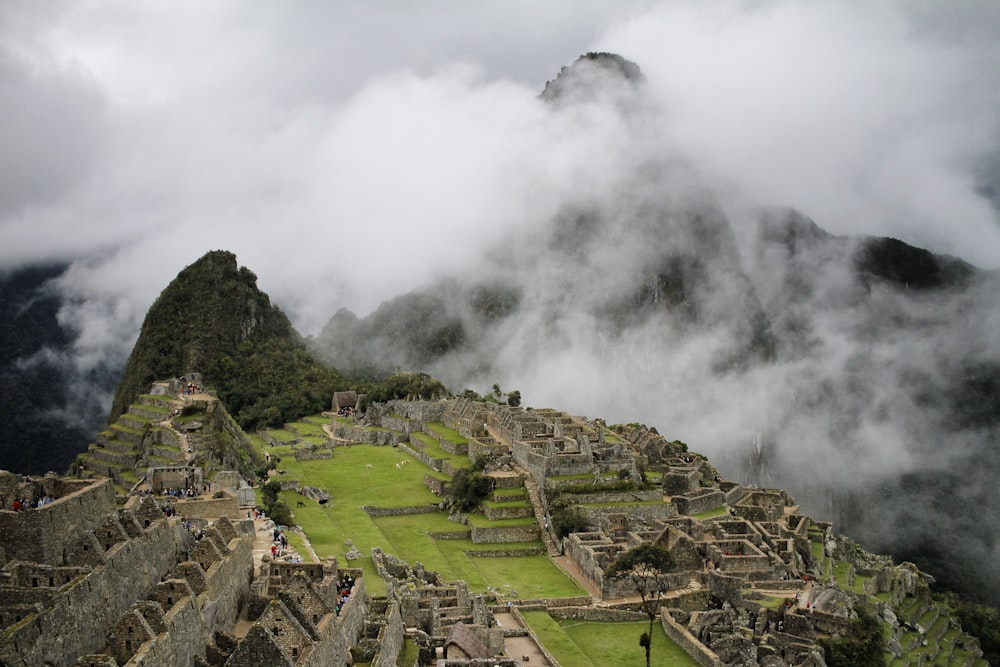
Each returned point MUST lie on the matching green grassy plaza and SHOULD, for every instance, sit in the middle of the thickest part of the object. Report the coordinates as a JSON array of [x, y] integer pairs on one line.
[[592, 644], [361, 475]]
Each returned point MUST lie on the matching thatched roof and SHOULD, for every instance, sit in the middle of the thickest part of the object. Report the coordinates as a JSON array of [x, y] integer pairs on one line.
[[345, 399], [465, 640]]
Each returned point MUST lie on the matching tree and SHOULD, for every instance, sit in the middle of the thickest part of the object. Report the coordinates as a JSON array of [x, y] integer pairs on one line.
[[646, 566], [566, 520], [470, 487], [514, 398], [270, 493]]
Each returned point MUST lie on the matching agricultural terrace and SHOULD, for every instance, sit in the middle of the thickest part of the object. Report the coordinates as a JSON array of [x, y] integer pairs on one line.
[[386, 477]]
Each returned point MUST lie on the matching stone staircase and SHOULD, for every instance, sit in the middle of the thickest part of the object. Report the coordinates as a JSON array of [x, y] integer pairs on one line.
[[534, 495]]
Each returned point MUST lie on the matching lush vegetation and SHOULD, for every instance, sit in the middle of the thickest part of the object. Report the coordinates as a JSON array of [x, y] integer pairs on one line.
[[352, 484], [469, 487], [981, 621], [587, 644], [212, 319], [566, 520], [863, 647], [404, 385]]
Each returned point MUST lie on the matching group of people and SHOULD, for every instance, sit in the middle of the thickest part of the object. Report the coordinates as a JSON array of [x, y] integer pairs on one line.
[[344, 587], [21, 504], [346, 412], [180, 493]]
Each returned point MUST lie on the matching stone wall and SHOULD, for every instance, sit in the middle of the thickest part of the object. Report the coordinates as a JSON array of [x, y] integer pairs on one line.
[[605, 497], [228, 586], [362, 435], [44, 533], [488, 553], [416, 452], [419, 411], [93, 604], [599, 614], [493, 535], [531, 633], [438, 486], [642, 514], [210, 508], [390, 639], [498, 512], [703, 655], [699, 501], [180, 641], [542, 466], [373, 511]]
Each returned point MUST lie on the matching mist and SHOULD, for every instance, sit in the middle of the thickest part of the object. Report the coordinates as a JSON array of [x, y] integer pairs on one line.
[[350, 154]]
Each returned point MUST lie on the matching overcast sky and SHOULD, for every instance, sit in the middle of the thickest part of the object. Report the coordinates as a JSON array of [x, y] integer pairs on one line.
[[348, 151]]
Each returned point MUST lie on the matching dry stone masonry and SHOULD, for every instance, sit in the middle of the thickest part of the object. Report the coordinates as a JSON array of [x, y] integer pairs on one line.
[[138, 559]]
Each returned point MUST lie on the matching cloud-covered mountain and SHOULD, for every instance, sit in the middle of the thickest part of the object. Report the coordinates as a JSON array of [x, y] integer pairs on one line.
[[351, 155], [856, 371]]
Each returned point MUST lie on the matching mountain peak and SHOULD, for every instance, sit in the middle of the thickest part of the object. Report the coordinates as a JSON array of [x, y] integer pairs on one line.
[[591, 75], [203, 315]]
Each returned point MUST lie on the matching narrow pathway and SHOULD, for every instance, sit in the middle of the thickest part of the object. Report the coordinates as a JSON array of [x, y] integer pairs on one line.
[[520, 647], [534, 494]]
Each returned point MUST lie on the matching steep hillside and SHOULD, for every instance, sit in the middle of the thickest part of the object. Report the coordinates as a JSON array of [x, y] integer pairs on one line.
[[213, 319], [48, 408]]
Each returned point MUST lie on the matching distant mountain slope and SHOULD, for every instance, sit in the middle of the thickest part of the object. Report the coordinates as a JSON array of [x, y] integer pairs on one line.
[[35, 387], [213, 319], [890, 359]]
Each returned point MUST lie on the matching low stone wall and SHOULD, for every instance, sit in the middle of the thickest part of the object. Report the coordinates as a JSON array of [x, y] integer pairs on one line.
[[507, 511], [304, 454], [601, 614], [438, 486], [361, 435], [635, 513], [827, 623], [699, 501], [413, 450], [452, 535], [374, 511], [703, 655], [449, 469], [508, 482], [491, 449], [614, 497], [493, 553], [625, 587], [399, 423], [494, 535]]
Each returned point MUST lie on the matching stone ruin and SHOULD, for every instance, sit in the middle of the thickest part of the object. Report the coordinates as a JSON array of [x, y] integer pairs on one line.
[[86, 582]]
